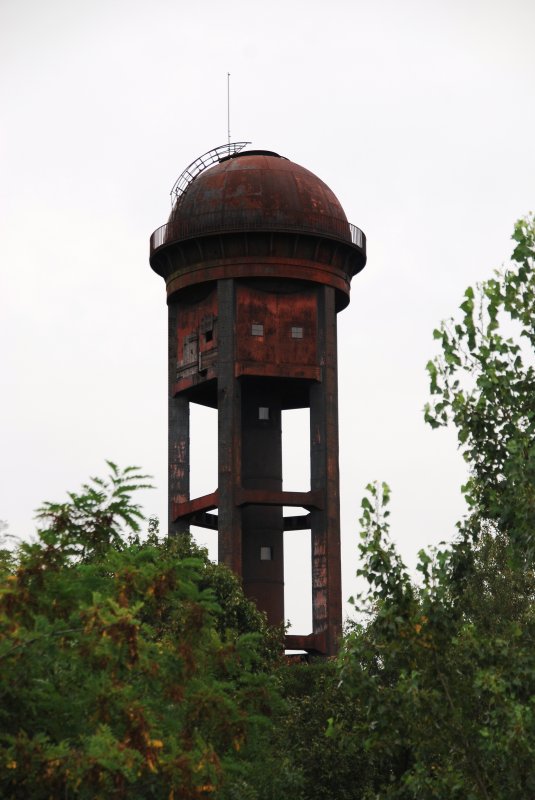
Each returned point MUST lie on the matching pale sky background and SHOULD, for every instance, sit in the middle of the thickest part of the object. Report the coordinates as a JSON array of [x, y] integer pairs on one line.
[[419, 115]]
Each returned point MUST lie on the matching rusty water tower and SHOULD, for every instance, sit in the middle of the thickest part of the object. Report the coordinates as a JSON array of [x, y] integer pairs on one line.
[[258, 256]]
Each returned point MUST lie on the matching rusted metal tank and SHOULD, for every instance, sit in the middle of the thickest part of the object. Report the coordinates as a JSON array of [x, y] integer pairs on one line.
[[258, 256]]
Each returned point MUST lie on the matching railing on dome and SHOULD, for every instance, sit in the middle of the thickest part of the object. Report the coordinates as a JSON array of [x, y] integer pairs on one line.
[[213, 223], [200, 164]]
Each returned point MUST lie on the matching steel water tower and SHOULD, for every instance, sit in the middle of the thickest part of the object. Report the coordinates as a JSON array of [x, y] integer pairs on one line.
[[258, 256]]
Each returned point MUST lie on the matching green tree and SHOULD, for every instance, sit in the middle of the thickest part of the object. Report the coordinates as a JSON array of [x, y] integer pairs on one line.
[[484, 382], [441, 674], [6, 554], [121, 676]]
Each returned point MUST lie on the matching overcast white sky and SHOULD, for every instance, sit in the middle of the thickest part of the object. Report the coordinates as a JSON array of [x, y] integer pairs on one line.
[[420, 116]]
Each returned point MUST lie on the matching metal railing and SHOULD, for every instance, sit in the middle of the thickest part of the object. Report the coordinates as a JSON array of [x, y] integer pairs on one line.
[[238, 221], [201, 163]]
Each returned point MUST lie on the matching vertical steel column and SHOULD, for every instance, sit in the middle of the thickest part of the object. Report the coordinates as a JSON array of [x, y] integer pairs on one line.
[[178, 435], [324, 474], [262, 526], [229, 431]]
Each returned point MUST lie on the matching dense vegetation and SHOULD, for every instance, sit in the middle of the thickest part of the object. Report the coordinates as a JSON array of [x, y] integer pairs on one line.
[[135, 668]]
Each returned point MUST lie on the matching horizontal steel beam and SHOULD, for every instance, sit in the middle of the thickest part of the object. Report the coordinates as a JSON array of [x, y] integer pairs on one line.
[[313, 643], [204, 520], [264, 497], [207, 502], [297, 522]]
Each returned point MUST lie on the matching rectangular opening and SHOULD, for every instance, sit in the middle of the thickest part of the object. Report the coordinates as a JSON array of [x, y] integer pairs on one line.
[[203, 450], [298, 579], [266, 553], [203, 466], [297, 332], [263, 413], [296, 450], [207, 324], [257, 329]]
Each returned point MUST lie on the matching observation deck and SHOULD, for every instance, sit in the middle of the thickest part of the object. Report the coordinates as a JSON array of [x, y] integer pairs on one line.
[[214, 223]]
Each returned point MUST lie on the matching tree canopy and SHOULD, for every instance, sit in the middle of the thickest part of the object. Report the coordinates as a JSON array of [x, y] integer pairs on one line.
[[441, 674], [122, 673]]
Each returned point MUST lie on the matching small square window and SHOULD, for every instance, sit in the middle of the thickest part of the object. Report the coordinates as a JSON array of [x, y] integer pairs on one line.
[[266, 554], [257, 329], [263, 412], [297, 332]]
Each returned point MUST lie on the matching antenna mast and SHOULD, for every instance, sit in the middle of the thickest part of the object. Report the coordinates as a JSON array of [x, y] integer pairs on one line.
[[228, 110]]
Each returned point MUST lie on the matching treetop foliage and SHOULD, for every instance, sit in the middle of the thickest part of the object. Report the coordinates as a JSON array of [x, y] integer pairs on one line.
[[121, 674], [441, 678], [484, 382]]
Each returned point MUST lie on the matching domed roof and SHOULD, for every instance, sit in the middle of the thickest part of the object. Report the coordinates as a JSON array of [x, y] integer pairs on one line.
[[259, 189], [255, 214]]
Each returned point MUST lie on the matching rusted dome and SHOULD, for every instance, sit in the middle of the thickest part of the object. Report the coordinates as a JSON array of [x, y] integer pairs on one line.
[[259, 189], [253, 215]]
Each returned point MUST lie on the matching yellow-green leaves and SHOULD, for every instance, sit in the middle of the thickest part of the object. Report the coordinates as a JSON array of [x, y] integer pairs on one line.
[[484, 383]]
